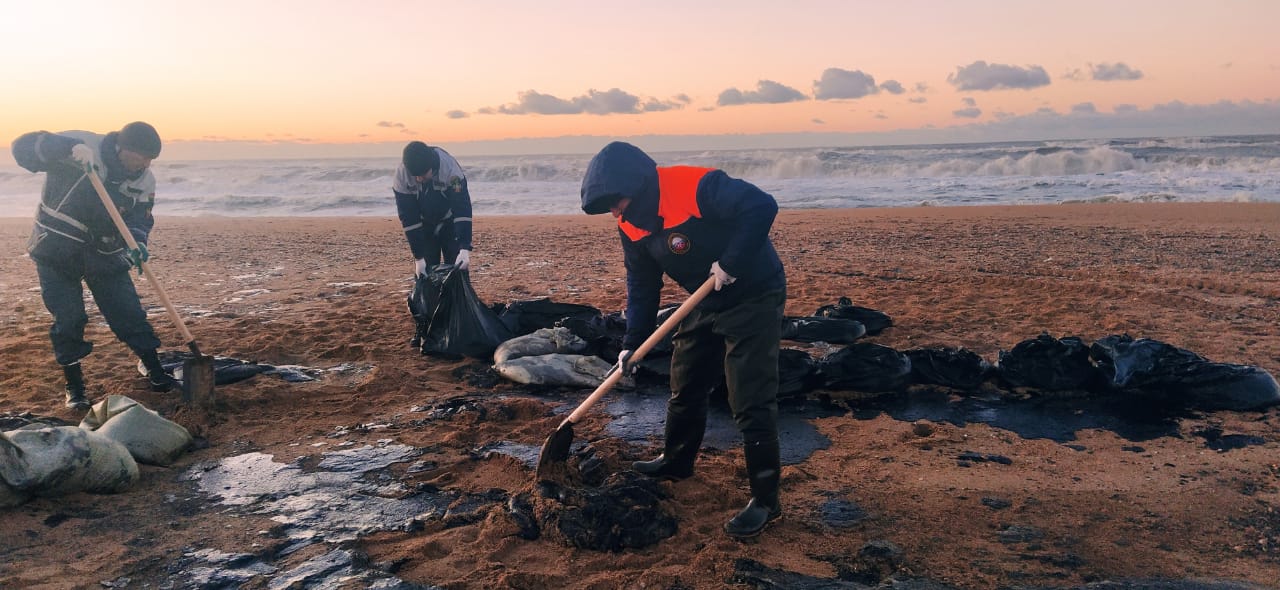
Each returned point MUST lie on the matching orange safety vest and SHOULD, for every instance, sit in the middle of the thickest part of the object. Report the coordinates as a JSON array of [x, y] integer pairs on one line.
[[677, 199]]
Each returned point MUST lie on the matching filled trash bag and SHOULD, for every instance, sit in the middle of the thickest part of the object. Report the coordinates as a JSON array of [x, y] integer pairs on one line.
[[603, 333], [1047, 363], [873, 320], [865, 367], [957, 368], [524, 317], [797, 373], [1154, 367], [450, 319], [820, 329]]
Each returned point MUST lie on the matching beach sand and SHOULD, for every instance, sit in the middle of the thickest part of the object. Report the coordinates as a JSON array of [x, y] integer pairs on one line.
[[325, 291]]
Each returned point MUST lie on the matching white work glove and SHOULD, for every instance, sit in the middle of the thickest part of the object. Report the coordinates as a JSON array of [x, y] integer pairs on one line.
[[86, 157], [722, 278], [624, 363], [420, 267], [464, 260]]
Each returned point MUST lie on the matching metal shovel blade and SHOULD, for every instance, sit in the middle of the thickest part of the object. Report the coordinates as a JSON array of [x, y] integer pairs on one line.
[[555, 451], [198, 380]]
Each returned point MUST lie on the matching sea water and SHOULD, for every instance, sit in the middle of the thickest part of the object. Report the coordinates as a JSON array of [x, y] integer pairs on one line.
[[1216, 169]]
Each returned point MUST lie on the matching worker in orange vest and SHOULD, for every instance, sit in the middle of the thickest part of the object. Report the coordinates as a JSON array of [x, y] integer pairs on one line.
[[690, 223]]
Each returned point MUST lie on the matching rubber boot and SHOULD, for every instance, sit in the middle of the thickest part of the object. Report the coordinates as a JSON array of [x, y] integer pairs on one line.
[[76, 399], [683, 440], [159, 379], [764, 469]]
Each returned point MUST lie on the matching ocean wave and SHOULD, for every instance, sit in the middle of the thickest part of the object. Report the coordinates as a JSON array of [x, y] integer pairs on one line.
[[1131, 170]]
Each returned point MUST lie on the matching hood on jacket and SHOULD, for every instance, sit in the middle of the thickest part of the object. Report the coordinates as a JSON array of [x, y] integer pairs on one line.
[[622, 170]]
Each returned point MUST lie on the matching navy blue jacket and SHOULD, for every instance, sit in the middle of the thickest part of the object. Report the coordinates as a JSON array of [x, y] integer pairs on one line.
[[732, 227], [424, 208], [71, 221]]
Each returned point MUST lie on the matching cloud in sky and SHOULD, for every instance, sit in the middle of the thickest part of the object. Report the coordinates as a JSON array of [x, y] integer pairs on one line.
[[1084, 108], [455, 114], [594, 102], [391, 124], [892, 87], [837, 83], [1172, 119], [1106, 72], [980, 75], [766, 92]]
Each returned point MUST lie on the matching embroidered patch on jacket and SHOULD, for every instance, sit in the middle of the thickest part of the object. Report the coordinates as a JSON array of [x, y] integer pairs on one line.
[[679, 243]]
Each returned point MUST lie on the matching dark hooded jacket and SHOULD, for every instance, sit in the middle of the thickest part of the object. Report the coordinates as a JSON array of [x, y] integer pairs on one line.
[[732, 226]]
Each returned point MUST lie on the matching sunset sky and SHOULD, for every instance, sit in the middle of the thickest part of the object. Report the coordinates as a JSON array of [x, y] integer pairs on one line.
[[325, 78]]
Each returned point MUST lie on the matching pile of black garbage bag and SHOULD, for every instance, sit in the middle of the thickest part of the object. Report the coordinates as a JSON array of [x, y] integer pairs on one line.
[[450, 320]]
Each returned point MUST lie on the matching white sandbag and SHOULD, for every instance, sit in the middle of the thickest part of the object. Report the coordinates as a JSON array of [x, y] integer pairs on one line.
[[539, 342], [572, 370], [61, 460], [150, 438], [111, 466], [37, 459]]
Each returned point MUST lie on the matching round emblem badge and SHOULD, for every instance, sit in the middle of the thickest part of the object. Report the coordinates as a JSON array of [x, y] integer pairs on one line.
[[678, 243]]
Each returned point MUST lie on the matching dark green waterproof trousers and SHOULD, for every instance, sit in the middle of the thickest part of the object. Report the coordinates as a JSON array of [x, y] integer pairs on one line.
[[739, 344]]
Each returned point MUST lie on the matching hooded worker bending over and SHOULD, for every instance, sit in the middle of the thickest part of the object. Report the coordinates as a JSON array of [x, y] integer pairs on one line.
[[75, 243], [690, 223]]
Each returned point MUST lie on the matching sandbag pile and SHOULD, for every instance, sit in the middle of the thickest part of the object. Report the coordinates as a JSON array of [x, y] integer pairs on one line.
[[551, 356], [60, 460], [100, 456]]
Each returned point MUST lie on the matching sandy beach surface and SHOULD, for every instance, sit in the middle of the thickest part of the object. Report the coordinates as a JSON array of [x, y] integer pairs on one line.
[[330, 293]]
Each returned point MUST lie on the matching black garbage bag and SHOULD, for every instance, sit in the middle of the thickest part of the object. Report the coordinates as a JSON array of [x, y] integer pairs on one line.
[[957, 368], [822, 329], [1047, 363], [603, 333], [1176, 374], [865, 367], [450, 318], [873, 320], [227, 370], [797, 373], [604, 336], [526, 317]]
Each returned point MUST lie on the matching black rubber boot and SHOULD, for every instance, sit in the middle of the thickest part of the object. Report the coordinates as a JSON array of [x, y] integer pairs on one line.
[[764, 468], [160, 380], [683, 440], [76, 399]]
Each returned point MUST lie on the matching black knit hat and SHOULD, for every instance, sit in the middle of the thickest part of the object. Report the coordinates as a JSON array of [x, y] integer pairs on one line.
[[419, 158], [140, 138]]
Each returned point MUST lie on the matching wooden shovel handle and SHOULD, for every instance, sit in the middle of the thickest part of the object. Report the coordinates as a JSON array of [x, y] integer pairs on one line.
[[615, 375], [146, 268]]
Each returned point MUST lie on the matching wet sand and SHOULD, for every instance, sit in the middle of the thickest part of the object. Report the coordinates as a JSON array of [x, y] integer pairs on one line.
[[330, 293]]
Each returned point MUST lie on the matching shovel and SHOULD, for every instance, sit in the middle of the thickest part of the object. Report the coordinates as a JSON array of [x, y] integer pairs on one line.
[[197, 371], [556, 449]]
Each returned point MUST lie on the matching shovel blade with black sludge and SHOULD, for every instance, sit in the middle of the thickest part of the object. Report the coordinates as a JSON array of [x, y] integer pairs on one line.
[[198, 379]]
